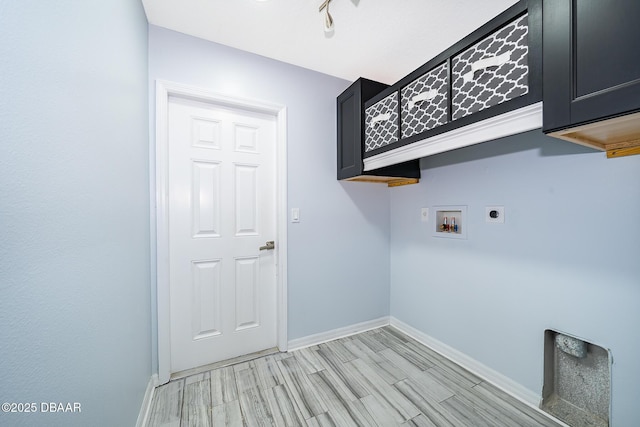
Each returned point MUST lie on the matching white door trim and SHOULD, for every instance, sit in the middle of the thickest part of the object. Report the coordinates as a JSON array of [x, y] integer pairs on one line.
[[164, 89]]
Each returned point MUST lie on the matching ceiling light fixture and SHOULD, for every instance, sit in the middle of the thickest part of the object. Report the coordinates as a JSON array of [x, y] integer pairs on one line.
[[328, 20]]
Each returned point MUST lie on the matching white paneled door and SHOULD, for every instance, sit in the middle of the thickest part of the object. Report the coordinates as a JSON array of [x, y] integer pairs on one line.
[[222, 210]]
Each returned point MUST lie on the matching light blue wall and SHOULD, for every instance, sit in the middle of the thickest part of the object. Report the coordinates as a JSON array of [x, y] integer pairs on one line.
[[567, 257], [74, 210], [339, 253]]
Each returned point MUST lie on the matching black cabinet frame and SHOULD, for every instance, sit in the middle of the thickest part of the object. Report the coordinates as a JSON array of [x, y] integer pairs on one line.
[[350, 109], [534, 10]]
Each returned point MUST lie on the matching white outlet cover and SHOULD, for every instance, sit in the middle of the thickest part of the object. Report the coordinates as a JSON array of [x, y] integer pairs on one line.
[[424, 215], [295, 214], [500, 217]]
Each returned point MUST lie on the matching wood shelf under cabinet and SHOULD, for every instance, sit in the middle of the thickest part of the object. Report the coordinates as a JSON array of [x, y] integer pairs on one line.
[[619, 136], [389, 180]]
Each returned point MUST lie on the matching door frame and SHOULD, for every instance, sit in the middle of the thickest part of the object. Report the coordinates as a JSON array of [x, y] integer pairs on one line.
[[165, 89]]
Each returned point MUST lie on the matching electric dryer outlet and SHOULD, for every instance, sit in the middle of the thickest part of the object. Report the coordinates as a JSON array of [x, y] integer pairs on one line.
[[494, 214]]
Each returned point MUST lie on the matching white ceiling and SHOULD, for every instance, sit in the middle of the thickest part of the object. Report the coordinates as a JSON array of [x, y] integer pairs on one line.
[[382, 40]]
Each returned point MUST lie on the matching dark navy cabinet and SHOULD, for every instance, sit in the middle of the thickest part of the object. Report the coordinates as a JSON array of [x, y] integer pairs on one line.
[[351, 136], [591, 60], [489, 83], [494, 70], [592, 71]]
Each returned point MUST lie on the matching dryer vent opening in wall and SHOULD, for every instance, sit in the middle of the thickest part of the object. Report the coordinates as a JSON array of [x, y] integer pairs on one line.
[[577, 380]]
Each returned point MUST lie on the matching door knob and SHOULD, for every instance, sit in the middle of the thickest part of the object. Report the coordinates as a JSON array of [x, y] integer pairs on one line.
[[270, 245]]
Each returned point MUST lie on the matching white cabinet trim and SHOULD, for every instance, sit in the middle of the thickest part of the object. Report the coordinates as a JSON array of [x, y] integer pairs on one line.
[[510, 123]]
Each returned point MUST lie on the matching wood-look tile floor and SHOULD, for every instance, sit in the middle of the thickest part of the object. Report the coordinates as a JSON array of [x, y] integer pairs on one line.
[[376, 378]]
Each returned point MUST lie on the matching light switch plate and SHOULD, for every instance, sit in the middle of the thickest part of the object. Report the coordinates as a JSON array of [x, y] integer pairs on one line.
[[499, 214], [295, 214], [424, 215]]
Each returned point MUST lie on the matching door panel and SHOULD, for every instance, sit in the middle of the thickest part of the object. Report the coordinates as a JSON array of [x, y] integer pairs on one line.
[[247, 273], [206, 302], [206, 199], [246, 197], [605, 35]]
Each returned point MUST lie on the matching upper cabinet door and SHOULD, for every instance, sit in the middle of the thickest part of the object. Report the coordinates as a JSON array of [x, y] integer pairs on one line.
[[591, 60], [350, 109]]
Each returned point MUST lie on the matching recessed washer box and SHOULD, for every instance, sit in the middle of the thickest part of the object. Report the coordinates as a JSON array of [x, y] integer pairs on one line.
[[450, 222]]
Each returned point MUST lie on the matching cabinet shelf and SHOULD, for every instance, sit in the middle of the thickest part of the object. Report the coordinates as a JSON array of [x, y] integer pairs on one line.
[[518, 121]]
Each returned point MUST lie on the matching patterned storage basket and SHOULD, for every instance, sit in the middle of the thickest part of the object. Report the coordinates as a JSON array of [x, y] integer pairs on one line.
[[492, 71], [381, 123], [425, 102]]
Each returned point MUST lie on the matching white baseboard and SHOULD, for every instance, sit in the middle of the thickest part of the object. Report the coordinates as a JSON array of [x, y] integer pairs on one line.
[[146, 402], [504, 383], [334, 334]]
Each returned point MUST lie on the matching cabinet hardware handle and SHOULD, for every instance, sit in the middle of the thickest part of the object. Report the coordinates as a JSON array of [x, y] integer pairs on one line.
[[380, 118], [494, 61], [269, 245], [424, 96]]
